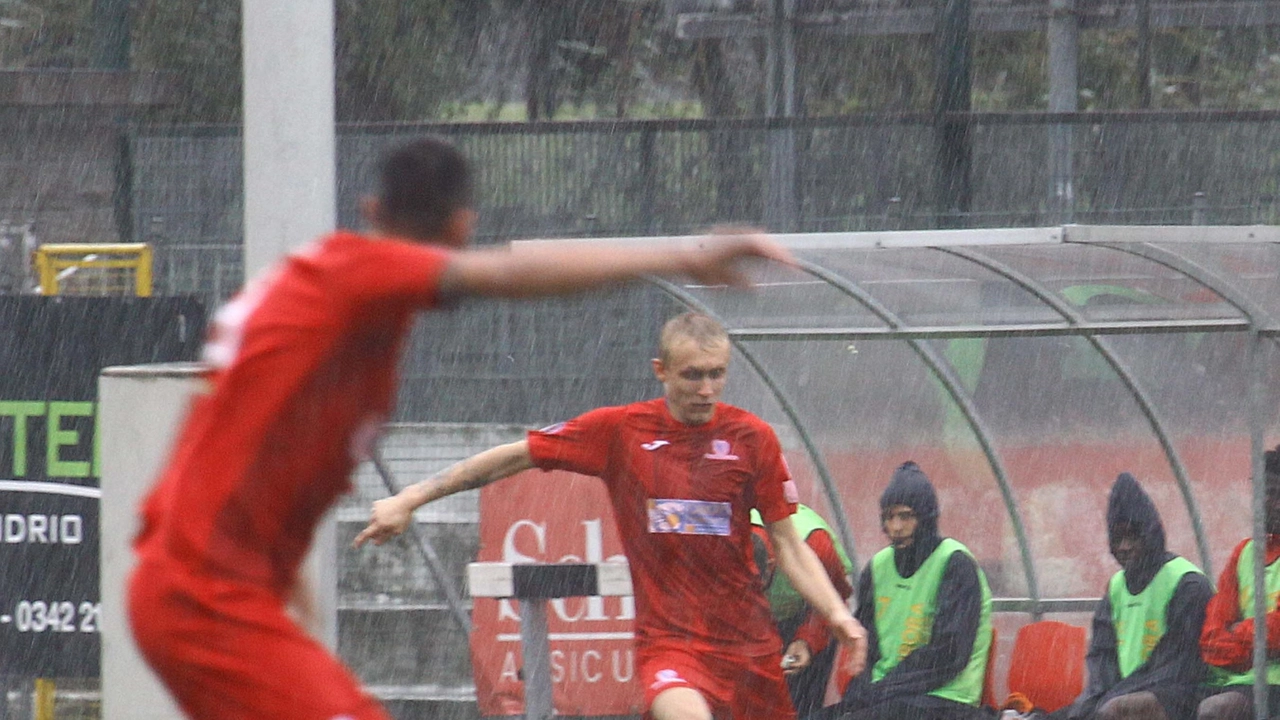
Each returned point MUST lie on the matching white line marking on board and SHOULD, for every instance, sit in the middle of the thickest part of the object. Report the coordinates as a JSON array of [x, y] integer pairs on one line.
[[515, 637], [49, 488]]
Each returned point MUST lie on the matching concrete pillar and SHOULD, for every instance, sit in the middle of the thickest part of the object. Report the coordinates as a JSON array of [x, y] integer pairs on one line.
[[289, 176], [140, 409], [289, 166]]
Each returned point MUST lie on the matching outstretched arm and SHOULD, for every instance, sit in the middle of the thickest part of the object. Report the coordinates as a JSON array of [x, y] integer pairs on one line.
[[392, 515], [557, 267], [802, 567]]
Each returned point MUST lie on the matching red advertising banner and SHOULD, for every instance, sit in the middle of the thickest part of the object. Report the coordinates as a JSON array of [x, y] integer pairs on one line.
[[554, 517]]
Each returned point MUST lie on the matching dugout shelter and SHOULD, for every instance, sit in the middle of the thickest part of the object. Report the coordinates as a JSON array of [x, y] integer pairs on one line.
[[1024, 369]]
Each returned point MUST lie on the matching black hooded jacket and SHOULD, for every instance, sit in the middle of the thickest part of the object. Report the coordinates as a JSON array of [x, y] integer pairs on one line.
[[955, 624], [1174, 665]]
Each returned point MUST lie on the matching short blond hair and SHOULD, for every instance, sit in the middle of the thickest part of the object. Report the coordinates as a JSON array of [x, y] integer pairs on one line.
[[698, 327]]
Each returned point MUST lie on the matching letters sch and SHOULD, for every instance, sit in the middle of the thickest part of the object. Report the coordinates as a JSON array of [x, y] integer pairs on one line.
[[526, 541]]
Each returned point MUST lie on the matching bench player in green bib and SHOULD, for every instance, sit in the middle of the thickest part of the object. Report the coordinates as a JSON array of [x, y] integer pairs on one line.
[[927, 609], [1226, 642], [1143, 660]]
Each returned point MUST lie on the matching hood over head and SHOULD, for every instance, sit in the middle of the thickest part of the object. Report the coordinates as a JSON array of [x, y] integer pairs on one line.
[[911, 487], [1129, 507]]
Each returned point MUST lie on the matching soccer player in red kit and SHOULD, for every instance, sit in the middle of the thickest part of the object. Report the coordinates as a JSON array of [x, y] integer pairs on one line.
[[683, 472], [302, 375]]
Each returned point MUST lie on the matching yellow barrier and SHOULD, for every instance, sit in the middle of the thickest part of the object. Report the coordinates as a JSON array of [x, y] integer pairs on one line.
[[94, 269], [45, 691]]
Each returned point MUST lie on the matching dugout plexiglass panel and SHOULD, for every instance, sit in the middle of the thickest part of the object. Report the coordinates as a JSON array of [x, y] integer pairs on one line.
[[1023, 377], [932, 287]]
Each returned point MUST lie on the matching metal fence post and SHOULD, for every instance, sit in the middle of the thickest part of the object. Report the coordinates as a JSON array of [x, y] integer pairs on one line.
[[1199, 208], [893, 213], [648, 180]]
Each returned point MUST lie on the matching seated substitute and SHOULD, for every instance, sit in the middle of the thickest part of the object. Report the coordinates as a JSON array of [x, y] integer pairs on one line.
[[927, 609], [809, 652], [1226, 642], [1144, 660]]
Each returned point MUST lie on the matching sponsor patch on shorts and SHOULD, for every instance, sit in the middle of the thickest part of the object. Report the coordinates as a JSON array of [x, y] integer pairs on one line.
[[689, 517]]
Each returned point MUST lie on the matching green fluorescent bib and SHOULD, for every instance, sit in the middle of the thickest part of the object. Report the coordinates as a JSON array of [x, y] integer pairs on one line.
[[1244, 575], [905, 608], [784, 601], [1140, 619]]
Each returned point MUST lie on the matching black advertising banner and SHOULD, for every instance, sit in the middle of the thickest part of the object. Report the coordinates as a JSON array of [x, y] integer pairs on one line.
[[52, 352]]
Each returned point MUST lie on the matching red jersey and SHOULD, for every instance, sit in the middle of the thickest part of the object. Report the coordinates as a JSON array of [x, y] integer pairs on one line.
[[1226, 641], [303, 376], [682, 497]]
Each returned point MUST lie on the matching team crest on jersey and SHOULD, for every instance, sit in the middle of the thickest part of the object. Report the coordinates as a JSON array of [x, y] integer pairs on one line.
[[720, 450], [689, 517]]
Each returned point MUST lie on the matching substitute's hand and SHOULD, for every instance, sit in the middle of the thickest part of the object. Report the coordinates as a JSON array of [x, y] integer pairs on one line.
[[388, 518], [715, 259], [853, 636], [797, 657]]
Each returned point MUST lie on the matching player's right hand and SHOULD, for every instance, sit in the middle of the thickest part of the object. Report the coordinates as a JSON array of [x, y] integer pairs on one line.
[[854, 637], [715, 259], [389, 517]]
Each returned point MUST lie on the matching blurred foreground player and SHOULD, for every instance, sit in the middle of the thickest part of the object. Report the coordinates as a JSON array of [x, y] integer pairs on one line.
[[683, 473], [302, 377]]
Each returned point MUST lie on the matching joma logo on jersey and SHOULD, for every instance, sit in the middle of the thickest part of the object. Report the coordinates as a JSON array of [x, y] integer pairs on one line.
[[654, 445]]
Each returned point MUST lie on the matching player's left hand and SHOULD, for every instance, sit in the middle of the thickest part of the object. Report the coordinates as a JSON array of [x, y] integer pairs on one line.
[[796, 658], [715, 259], [388, 518], [854, 637]]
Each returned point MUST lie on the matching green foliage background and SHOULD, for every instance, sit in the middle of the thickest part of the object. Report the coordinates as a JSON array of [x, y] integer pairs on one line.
[[471, 60]]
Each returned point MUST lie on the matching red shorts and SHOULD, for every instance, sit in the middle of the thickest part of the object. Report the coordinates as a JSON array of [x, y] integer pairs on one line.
[[227, 650], [743, 688]]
